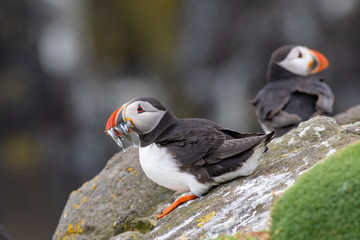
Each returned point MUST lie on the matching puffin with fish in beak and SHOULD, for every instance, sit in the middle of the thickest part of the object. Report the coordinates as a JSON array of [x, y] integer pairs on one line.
[[188, 155]]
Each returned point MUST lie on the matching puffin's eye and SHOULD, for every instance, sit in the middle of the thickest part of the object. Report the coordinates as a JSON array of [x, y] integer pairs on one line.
[[300, 55], [140, 109]]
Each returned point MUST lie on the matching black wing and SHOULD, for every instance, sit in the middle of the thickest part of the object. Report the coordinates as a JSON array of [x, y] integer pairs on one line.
[[317, 87], [191, 140], [202, 142], [269, 106], [286, 103]]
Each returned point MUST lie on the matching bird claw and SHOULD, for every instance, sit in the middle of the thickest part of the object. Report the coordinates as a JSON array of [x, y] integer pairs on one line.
[[179, 201], [161, 215]]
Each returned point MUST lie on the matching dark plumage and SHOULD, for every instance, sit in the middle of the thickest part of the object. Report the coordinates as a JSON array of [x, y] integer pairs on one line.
[[200, 144], [186, 155], [290, 98]]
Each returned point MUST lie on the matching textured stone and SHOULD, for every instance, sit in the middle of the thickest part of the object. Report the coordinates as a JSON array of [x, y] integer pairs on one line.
[[351, 115], [131, 235], [135, 201], [116, 200]]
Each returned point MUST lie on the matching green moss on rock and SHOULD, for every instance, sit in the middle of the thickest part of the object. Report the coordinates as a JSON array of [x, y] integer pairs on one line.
[[324, 202]]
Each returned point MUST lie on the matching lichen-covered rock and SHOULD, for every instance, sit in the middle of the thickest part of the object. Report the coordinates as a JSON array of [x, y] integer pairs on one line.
[[131, 235], [225, 209], [117, 200], [352, 128]]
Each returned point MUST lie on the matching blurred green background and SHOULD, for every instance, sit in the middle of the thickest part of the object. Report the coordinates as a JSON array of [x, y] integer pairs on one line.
[[65, 66]]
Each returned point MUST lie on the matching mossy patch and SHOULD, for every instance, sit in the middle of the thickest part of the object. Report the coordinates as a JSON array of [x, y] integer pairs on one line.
[[132, 222], [324, 202]]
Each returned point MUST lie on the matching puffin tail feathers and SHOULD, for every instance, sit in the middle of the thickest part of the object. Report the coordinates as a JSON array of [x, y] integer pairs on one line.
[[269, 137]]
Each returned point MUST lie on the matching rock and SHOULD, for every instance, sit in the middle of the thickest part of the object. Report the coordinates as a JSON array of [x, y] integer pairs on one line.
[[120, 198], [352, 115], [131, 235], [245, 202], [352, 128]]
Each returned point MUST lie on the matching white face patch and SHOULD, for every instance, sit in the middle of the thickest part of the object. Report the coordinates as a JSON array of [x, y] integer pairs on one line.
[[298, 61], [144, 116]]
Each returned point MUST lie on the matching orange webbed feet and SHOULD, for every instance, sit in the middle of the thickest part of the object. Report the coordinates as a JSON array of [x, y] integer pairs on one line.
[[178, 201]]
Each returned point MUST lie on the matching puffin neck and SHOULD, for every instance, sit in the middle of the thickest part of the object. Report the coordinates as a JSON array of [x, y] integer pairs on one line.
[[276, 73], [167, 121]]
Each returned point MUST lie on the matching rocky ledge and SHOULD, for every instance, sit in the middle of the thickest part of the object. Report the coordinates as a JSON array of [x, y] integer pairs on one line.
[[122, 203]]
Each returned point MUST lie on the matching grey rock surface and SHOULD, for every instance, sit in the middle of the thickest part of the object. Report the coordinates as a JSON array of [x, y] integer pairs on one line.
[[130, 235], [351, 115], [121, 199]]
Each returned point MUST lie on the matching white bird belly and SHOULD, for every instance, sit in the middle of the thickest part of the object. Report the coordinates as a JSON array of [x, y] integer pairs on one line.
[[161, 167]]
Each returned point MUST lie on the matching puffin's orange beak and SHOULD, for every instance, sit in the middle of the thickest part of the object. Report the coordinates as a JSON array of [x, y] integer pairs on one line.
[[114, 119], [320, 62], [116, 127]]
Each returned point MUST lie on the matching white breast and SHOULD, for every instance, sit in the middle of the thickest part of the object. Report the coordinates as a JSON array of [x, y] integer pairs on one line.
[[161, 167]]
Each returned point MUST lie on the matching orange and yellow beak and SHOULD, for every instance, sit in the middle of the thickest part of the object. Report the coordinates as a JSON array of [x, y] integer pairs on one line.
[[319, 63], [117, 126], [115, 119]]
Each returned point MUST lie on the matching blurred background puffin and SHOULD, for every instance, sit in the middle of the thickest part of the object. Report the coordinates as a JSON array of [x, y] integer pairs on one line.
[[293, 94]]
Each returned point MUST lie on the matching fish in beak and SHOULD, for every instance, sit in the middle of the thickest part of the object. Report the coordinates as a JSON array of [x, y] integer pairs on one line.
[[319, 62], [117, 126]]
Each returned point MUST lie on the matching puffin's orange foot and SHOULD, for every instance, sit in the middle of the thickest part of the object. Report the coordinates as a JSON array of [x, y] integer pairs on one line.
[[178, 201]]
